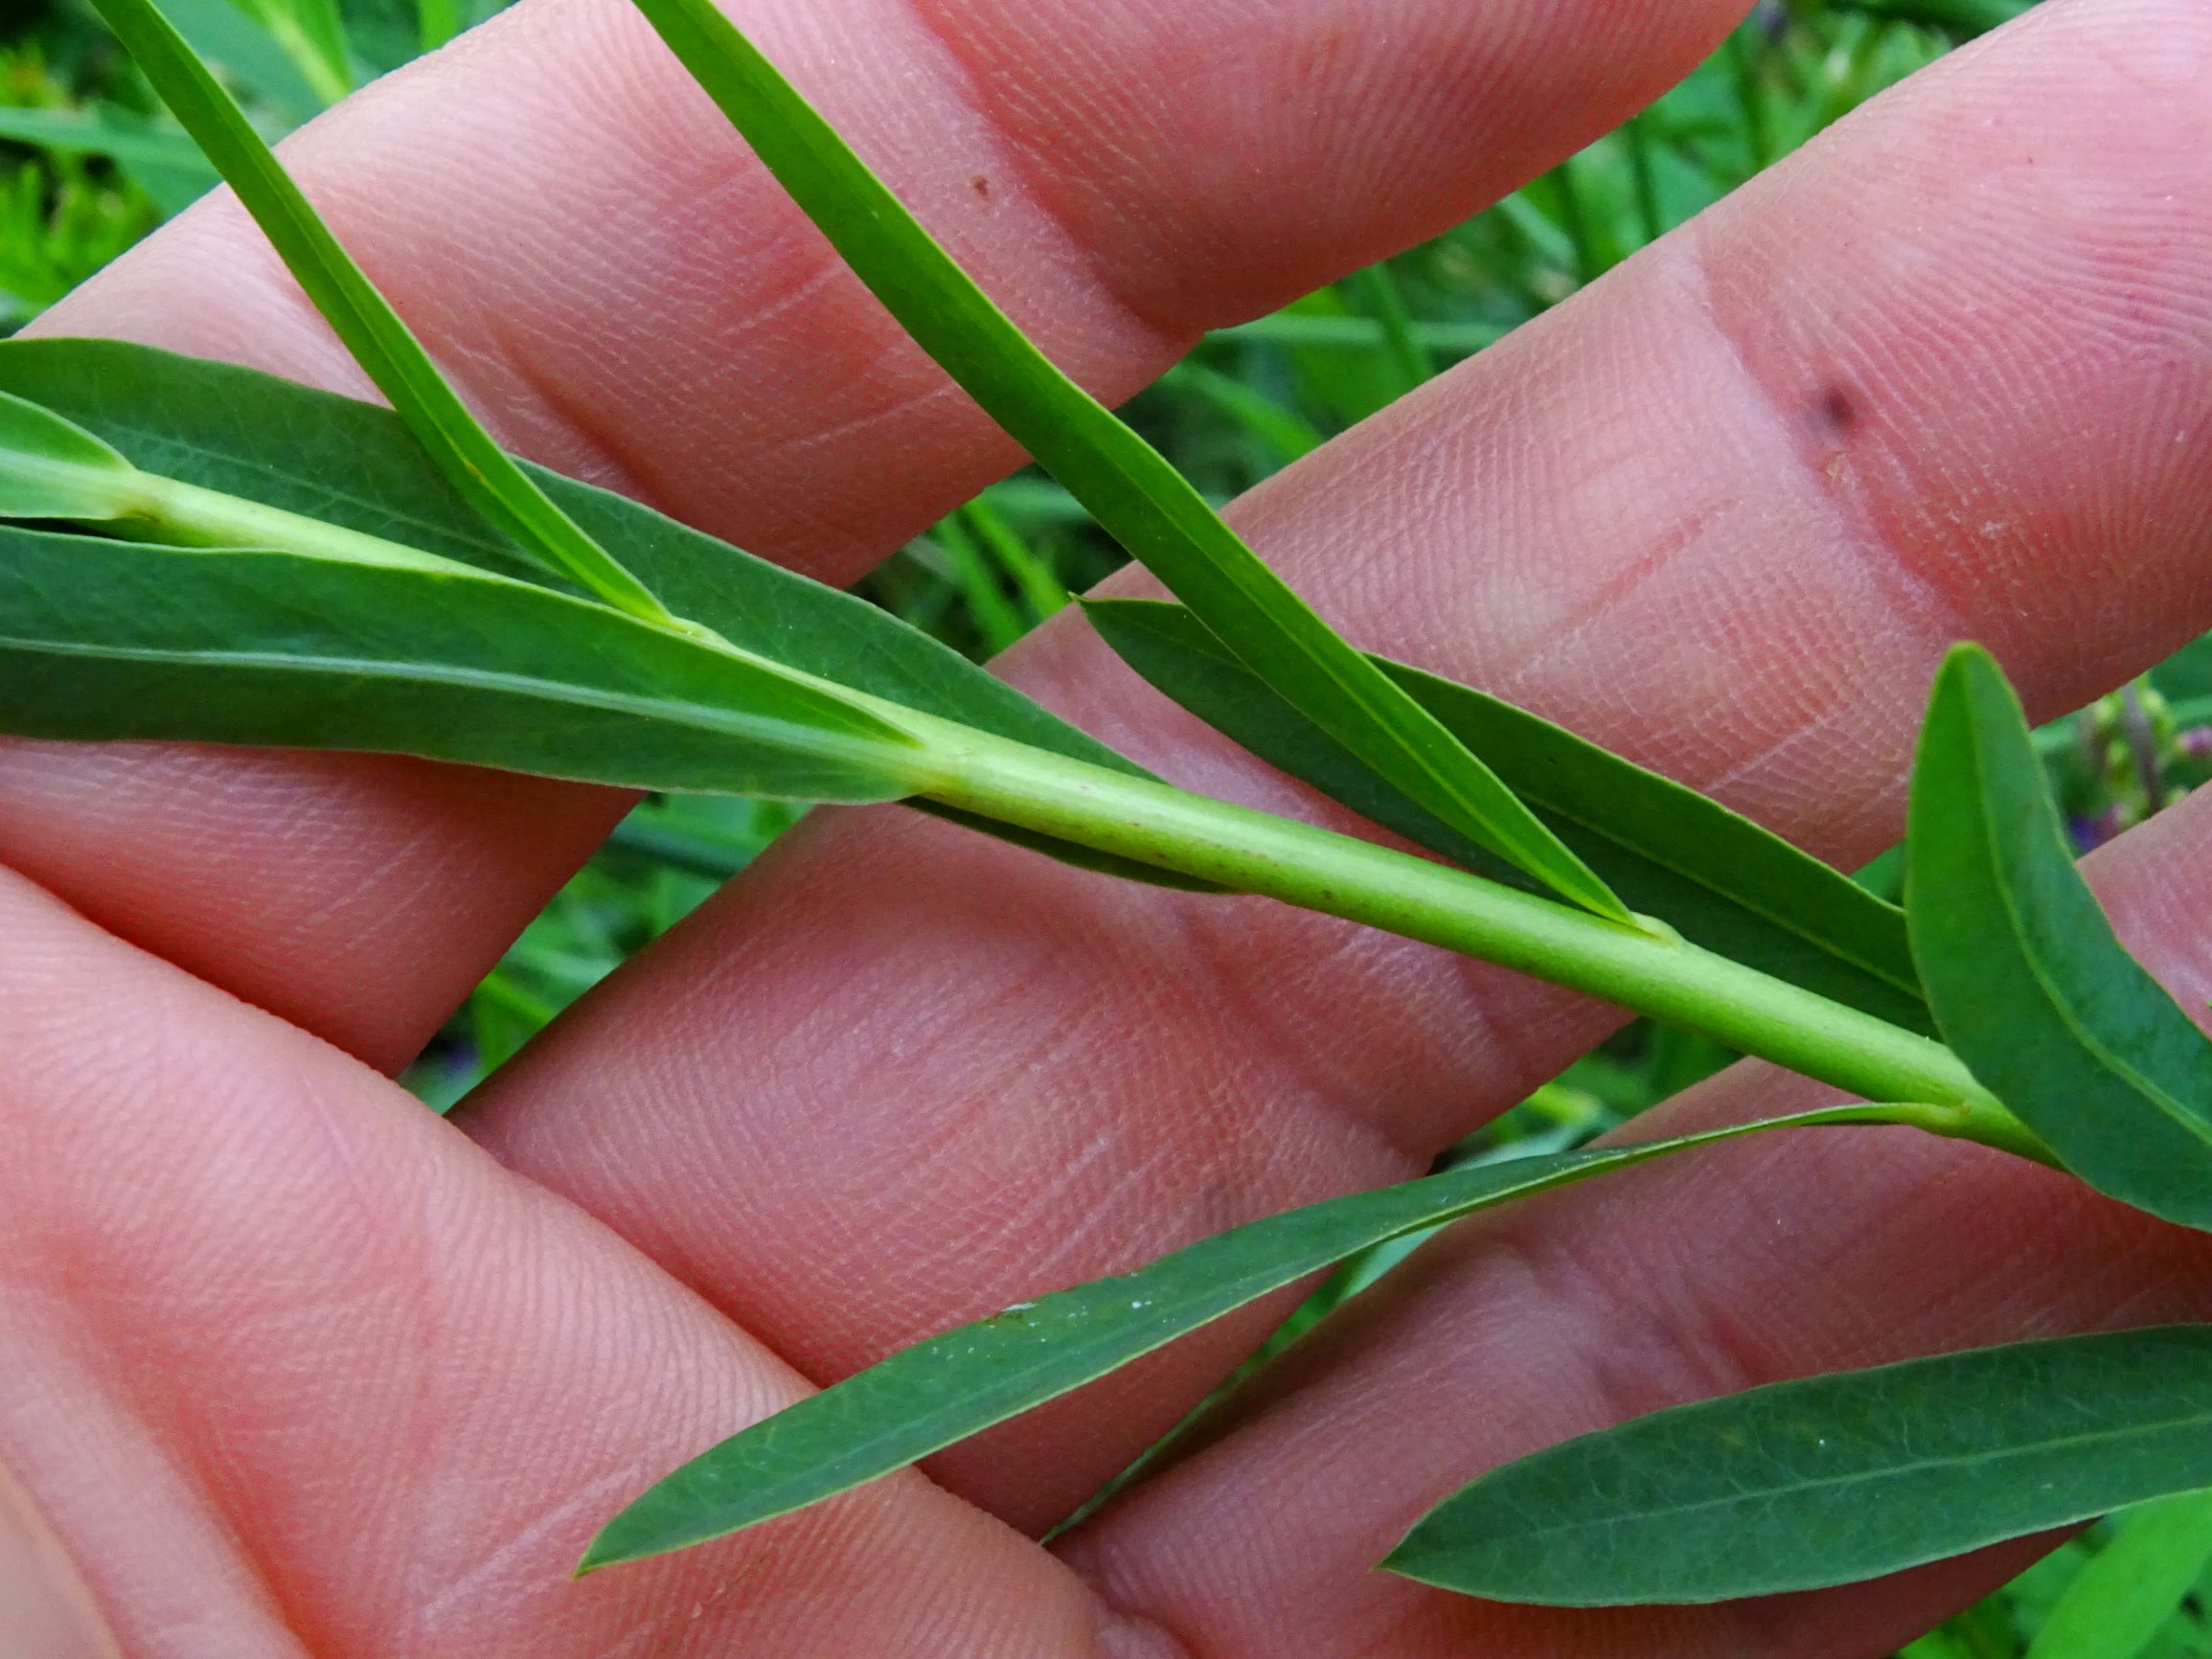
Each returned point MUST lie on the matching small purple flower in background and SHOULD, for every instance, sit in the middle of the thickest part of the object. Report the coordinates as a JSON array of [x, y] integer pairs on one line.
[[2092, 832]]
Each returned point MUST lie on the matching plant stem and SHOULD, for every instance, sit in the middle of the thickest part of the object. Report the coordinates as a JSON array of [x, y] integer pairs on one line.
[[1382, 299], [1656, 972], [1647, 966]]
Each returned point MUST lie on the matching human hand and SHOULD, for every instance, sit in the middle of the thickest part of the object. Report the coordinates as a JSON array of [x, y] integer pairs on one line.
[[294, 1367]]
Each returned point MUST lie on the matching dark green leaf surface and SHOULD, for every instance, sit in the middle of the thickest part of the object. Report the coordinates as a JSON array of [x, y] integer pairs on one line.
[[2028, 982], [1133, 492], [1834, 1479], [107, 638], [938, 1392], [371, 330], [51, 468], [353, 465], [1721, 880]]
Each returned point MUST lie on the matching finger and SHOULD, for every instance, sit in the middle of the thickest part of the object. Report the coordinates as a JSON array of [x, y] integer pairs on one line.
[[627, 295], [1775, 1259], [49, 1612], [293, 1369], [975, 1075]]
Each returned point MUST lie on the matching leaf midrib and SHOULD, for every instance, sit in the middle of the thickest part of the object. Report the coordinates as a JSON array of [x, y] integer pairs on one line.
[[2061, 1006], [2199, 1419], [700, 717]]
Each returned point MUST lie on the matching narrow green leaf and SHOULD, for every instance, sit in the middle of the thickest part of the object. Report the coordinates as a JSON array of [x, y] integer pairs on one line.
[[2131, 1587], [1135, 493], [415, 655], [311, 33], [1668, 852], [101, 131], [1965, 18], [249, 59], [1834, 1479], [1038, 585], [50, 468], [1283, 430], [2028, 982], [353, 464], [938, 1392], [371, 330], [436, 22]]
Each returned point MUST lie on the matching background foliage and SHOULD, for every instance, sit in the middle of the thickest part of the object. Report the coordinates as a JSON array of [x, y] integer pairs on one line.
[[86, 167]]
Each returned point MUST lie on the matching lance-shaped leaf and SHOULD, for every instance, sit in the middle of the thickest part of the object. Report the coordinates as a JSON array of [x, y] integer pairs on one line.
[[240, 436], [1834, 1479], [371, 330], [2029, 985], [1668, 852], [1134, 493], [941, 1390], [412, 655], [341, 461]]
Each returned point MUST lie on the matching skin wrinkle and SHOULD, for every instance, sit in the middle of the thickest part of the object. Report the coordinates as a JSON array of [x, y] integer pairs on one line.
[[968, 81], [1824, 456]]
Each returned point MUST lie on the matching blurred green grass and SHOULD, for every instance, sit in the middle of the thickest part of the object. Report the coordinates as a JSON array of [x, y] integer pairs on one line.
[[88, 165]]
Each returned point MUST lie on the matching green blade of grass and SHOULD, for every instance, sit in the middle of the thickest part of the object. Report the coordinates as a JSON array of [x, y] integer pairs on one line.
[[313, 36], [2134, 1585], [1964, 18], [371, 330], [436, 21], [939, 1391], [97, 131], [2030, 985], [1131, 489], [1832, 1480], [401, 651], [1720, 879]]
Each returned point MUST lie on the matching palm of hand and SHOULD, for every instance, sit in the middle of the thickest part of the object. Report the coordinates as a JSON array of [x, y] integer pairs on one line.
[[295, 1367]]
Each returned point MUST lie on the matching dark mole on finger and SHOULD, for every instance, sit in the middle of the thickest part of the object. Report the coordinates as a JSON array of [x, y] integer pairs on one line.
[[1835, 411]]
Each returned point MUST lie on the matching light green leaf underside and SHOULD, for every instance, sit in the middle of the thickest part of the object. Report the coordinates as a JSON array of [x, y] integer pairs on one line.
[[353, 465], [1832, 1480], [50, 468], [2133, 1586], [942, 1390], [2028, 982], [1133, 492], [372, 330], [1720, 879], [107, 638]]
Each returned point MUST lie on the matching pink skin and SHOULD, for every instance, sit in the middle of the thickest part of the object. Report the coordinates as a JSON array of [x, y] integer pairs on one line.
[[294, 1368]]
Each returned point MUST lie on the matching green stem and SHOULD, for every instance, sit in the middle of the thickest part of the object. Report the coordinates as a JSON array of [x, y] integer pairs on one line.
[[1382, 299], [1656, 972], [1744, 57], [1647, 968], [1591, 261], [1643, 168]]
